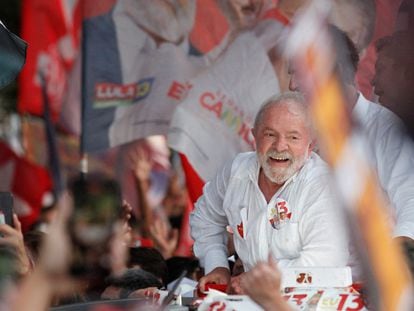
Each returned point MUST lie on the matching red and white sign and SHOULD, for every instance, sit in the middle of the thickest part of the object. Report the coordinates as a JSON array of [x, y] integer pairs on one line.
[[316, 277]]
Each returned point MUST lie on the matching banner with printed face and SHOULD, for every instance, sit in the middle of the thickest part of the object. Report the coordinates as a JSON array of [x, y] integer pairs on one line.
[[214, 121], [136, 59]]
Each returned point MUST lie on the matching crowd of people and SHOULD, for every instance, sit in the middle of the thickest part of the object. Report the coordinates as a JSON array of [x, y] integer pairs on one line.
[[267, 209]]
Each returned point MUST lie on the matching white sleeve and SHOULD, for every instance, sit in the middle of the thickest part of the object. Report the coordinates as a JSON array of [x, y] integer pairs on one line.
[[395, 166], [208, 223], [322, 229]]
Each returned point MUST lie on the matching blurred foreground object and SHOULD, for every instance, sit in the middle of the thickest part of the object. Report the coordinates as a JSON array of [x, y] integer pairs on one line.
[[262, 284], [344, 150]]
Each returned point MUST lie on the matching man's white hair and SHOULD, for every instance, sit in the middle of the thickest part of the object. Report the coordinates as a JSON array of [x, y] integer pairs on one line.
[[292, 99]]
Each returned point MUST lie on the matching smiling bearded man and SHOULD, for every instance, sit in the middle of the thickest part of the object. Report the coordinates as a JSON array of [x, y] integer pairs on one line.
[[285, 162], [276, 201]]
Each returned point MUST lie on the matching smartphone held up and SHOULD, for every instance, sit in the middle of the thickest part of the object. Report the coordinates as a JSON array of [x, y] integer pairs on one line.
[[6, 208]]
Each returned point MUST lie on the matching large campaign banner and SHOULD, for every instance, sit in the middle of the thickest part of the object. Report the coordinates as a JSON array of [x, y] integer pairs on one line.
[[147, 73], [214, 121], [136, 62]]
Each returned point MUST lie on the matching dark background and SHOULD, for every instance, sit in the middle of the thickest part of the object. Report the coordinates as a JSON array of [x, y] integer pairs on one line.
[[10, 16]]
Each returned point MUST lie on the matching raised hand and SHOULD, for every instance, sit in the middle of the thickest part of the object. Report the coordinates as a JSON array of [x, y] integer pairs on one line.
[[140, 163], [165, 239], [13, 238], [118, 247], [55, 254]]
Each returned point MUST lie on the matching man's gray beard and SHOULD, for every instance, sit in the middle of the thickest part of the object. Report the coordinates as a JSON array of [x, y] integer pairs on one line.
[[280, 175]]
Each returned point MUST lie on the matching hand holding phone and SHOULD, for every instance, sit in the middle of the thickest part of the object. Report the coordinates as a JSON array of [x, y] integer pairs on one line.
[[6, 208], [11, 235]]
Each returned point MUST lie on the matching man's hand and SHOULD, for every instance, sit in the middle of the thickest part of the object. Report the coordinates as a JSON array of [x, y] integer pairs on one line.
[[13, 238], [262, 284], [219, 275]]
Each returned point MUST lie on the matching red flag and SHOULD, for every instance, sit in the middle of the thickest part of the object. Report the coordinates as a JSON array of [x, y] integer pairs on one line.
[[28, 182], [194, 183], [52, 30], [195, 190], [185, 242]]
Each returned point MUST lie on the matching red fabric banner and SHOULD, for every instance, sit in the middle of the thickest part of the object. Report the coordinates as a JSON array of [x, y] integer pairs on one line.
[[194, 182], [52, 31], [28, 182]]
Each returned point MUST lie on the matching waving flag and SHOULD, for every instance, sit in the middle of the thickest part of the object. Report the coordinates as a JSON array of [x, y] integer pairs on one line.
[[52, 30]]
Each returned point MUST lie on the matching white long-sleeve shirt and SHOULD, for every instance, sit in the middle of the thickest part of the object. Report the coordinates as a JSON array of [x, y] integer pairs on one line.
[[393, 160], [313, 236]]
